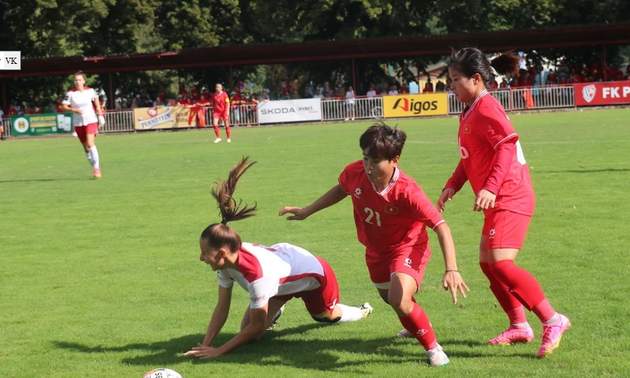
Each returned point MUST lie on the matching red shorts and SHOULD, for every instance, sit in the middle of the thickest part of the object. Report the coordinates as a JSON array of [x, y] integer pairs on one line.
[[324, 298], [83, 131], [224, 115], [410, 261], [505, 229]]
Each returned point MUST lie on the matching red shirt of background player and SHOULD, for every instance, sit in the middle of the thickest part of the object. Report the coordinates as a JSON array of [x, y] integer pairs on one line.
[[482, 129], [58, 107], [220, 102], [393, 219], [162, 94]]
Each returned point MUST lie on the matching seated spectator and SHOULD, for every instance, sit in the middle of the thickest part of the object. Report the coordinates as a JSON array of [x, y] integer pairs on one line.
[[504, 84], [584, 72], [340, 93], [428, 88], [439, 86], [162, 93], [307, 93], [382, 86], [492, 85], [264, 96], [371, 92], [181, 101], [552, 78], [595, 71], [182, 91], [392, 90], [404, 89]]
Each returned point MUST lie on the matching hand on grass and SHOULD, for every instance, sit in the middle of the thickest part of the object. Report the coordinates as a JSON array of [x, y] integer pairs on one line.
[[453, 281], [298, 213], [484, 201], [447, 195], [202, 351]]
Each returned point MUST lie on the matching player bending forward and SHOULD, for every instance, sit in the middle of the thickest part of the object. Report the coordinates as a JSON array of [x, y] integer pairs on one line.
[[493, 162], [271, 275], [391, 213]]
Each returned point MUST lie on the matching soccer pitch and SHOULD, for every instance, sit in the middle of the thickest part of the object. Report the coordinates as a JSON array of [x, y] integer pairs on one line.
[[102, 278]]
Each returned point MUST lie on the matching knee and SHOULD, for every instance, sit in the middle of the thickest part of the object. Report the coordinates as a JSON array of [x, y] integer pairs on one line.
[[499, 268], [485, 268], [402, 305]]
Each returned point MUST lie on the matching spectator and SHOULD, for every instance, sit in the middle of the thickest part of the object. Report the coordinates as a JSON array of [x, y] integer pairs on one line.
[[181, 101], [504, 84], [382, 86], [319, 93], [404, 89], [194, 93], [339, 92], [439, 86], [307, 93], [371, 92], [1, 124], [264, 96], [392, 90], [182, 91], [162, 93], [563, 71], [350, 103], [428, 88], [235, 101], [552, 78]]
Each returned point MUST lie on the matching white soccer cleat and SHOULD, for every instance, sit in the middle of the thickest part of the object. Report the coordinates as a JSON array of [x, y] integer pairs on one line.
[[403, 334], [366, 309], [229, 140], [437, 357], [217, 140]]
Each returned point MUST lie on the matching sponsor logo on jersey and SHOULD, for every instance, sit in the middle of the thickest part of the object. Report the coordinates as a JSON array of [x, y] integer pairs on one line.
[[408, 262], [390, 209], [492, 233], [357, 192], [467, 129], [589, 92], [422, 332], [258, 299]]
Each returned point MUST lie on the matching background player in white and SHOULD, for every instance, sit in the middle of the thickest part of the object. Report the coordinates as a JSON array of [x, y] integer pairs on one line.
[[84, 118], [272, 276]]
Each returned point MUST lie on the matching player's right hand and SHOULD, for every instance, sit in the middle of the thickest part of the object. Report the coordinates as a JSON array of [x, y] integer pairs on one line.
[[447, 195], [298, 213]]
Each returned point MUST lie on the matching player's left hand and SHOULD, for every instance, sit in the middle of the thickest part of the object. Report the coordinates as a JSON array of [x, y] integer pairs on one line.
[[202, 351], [453, 281], [101, 121], [484, 201]]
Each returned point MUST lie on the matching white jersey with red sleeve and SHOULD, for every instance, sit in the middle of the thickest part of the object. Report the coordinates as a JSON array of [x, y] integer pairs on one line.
[[266, 272], [82, 100], [483, 127], [392, 219]]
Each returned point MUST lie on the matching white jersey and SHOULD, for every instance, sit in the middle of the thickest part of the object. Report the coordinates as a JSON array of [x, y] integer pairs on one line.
[[265, 272], [82, 100]]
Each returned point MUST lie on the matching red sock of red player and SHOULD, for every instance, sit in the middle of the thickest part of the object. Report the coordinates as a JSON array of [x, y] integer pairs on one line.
[[227, 130], [417, 323], [216, 131], [512, 307], [523, 286]]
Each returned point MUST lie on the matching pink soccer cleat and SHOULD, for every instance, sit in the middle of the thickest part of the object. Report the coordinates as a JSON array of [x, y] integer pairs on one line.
[[97, 173], [514, 335], [552, 334]]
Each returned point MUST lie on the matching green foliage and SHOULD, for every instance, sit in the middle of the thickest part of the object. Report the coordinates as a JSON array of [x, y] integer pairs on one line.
[[103, 279]]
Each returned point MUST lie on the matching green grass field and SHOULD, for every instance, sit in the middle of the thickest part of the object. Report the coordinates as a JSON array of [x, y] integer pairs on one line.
[[102, 278]]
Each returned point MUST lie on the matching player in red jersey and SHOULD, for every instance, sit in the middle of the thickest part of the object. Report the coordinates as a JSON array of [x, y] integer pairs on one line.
[[87, 116], [492, 161], [221, 110], [272, 276], [391, 213]]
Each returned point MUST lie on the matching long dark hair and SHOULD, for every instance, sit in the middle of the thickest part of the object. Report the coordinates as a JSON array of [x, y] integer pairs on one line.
[[470, 61], [221, 235]]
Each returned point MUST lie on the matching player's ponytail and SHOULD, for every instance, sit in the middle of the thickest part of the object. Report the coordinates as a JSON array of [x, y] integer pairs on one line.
[[221, 235], [470, 61]]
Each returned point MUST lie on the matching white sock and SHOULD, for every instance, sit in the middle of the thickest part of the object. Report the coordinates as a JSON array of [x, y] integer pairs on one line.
[[349, 313], [553, 319], [89, 157], [94, 155]]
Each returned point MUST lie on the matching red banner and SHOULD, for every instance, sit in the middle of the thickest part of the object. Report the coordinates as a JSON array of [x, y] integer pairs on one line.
[[609, 93]]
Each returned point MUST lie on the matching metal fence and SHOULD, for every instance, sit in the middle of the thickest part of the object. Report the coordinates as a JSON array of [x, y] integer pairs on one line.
[[8, 131], [547, 97], [118, 122], [335, 109]]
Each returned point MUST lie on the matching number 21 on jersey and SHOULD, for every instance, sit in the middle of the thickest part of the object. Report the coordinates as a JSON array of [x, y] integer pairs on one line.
[[371, 215]]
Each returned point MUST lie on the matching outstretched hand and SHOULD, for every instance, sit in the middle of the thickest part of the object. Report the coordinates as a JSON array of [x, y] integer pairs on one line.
[[202, 351], [298, 213], [453, 281]]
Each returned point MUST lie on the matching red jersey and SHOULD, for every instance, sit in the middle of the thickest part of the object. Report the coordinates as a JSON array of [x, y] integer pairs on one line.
[[482, 128], [392, 219], [59, 108], [194, 93], [220, 102]]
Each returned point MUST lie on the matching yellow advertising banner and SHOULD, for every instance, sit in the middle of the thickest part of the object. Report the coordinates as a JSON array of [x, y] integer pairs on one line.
[[416, 105], [163, 117]]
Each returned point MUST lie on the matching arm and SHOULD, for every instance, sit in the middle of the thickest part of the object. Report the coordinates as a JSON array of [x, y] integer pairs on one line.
[[251, 332], [333, 196], [99, 112], [503, 160], [453, 185], [219, 316], [452, 279], [67, 108]]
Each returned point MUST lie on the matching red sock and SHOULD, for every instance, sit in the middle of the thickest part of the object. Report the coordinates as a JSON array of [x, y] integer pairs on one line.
[[521, 284], [227, 130], [512, 307], [417, 323], [216, 131], [544, 311]]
